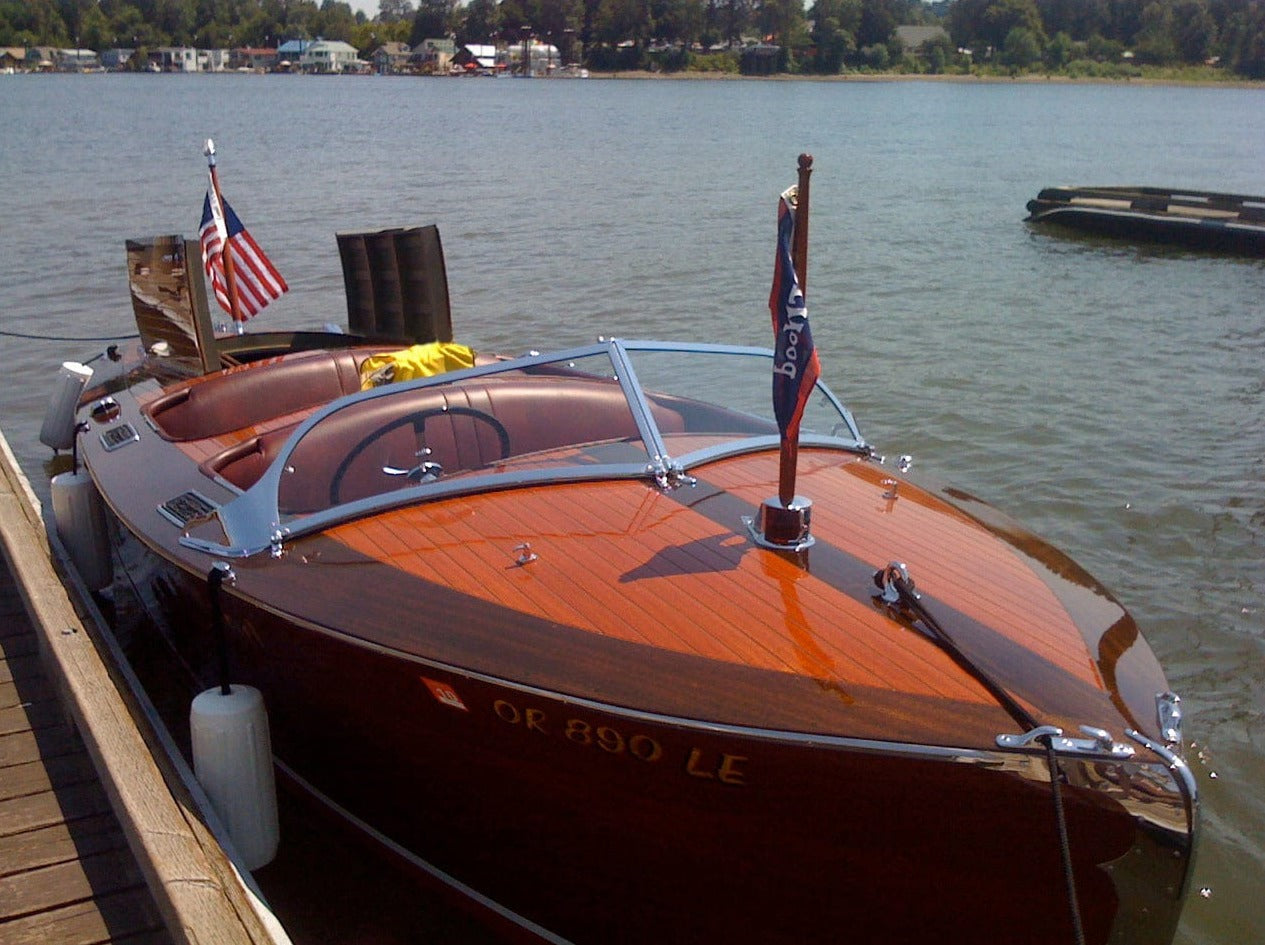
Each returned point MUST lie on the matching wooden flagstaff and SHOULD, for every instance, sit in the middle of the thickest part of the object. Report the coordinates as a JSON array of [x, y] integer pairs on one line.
[[784, 522], [230, 277], [789, 456]]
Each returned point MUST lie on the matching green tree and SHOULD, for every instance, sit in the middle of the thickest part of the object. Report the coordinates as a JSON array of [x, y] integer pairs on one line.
[[1021, 49], [1058, 51], [834, 29], [678, 21], [1155, 43], [1004, 16], [1101, 49], [481, 24], [782, 20], [939, 53], [1195, 30], [34, 23], [878, 22], [620, 20], [432, 20], [1243, 41], [392, 11]]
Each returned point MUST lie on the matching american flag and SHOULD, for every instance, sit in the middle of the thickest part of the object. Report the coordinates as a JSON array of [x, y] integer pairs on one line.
[[795, 364], [256, 278]]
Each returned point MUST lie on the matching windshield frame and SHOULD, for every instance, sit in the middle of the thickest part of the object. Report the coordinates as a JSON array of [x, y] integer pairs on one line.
[[252, 521]]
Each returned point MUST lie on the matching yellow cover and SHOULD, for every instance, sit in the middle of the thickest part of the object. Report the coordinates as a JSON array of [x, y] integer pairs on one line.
[[408, 364]]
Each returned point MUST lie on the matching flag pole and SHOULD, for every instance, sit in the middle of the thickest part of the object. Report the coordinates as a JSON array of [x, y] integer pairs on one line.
[[230, 278], [784, 522], [788, 458]]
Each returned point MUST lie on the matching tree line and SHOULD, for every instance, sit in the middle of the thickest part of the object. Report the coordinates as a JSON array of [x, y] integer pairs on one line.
[[1099, 37]]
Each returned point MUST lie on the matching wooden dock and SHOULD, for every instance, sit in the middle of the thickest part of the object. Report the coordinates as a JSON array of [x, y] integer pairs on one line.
[[102, 838], [67, 873]]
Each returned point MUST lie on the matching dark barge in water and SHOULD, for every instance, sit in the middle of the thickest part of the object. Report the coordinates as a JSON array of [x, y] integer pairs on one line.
[[1230, 223]]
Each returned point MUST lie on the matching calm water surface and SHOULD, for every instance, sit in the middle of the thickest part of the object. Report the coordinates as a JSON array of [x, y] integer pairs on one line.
[[1112, 398]]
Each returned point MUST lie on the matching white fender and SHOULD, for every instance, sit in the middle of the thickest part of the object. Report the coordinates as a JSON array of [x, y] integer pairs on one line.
[[81, 525], [58, 431], [232, 759]]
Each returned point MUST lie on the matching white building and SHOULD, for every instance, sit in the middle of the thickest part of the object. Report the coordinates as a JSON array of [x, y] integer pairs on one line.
[[329, 55], [175, 59]]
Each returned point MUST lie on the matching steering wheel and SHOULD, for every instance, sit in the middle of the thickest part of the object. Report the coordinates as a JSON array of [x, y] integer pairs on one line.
[[418, 421]]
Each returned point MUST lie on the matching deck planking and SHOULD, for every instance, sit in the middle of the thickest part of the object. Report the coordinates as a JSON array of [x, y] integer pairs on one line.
[[66, 872]]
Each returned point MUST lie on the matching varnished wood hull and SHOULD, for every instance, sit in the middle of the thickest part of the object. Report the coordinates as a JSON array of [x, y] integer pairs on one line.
[[602, 824], [657, 731]]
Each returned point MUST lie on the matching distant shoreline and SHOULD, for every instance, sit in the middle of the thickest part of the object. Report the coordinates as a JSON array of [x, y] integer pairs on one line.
[[1029, 78]]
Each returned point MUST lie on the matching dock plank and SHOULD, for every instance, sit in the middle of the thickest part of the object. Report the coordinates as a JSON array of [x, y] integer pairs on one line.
[[21, 747], [120, 918], [90, 876], [100, 841], [47, 774], [59, 843]]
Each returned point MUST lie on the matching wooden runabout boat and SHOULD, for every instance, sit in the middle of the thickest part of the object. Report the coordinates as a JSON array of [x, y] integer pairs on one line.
[[1229, 223], [537, 627]]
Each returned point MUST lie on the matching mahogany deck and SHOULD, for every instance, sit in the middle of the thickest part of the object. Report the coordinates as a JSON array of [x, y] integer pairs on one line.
[[66, 872]]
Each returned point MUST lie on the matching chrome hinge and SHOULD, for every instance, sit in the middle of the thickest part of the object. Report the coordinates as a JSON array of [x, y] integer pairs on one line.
[[669, 475], [1168, 707], [1099, 741]]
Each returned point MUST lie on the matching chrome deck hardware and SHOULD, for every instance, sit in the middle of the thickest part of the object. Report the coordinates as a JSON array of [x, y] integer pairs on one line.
[[1099, 741]]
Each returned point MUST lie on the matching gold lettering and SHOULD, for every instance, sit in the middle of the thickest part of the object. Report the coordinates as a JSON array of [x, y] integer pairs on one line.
[[691, 766], [645, 748], [506, 711], [729, 772], [535, 721], [579, 731], [610, 740]]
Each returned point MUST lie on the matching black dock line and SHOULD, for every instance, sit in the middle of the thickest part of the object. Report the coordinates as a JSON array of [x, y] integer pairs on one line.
[[895, 578]]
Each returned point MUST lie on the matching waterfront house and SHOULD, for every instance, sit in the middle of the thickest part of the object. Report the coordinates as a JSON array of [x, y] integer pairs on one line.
[[175, 58], [433, 56], [254, 58], [116, 60], [78, 60], [12, 58], [475, 58], [213, 60], [913, 38], [391, 58], [41, 59], [290, 54], [542, 58], [329, 56]]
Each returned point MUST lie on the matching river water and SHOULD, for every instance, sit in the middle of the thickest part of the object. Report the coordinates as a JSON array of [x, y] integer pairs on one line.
[[1109, 396]]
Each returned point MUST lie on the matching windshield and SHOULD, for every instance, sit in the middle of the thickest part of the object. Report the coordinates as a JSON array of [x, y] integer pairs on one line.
[[613, 410]]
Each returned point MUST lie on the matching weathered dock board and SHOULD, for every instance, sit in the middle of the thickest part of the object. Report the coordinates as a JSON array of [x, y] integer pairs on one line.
[[66, 873], [99, 839]]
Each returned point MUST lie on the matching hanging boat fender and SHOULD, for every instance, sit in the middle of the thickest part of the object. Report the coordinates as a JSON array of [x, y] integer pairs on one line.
[[232, 752], [79, 517], [58, 429]]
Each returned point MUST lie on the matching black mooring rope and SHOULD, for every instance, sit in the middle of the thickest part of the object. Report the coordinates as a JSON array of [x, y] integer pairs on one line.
[[894, 576], [19, 334], [1065, 846]]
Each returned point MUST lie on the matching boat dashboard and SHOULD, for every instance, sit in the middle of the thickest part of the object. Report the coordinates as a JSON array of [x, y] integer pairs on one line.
[[614, 409]]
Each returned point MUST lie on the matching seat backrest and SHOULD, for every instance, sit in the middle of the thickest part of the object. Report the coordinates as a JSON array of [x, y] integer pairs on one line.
[[164, 274], [396, 284]]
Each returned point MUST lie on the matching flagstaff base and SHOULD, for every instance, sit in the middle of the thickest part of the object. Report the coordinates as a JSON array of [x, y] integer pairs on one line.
[[783, 527]]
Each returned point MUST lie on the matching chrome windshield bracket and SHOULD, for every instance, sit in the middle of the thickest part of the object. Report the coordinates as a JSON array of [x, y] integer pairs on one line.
[[1098, 742], [669, 475], [1168, 709]]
